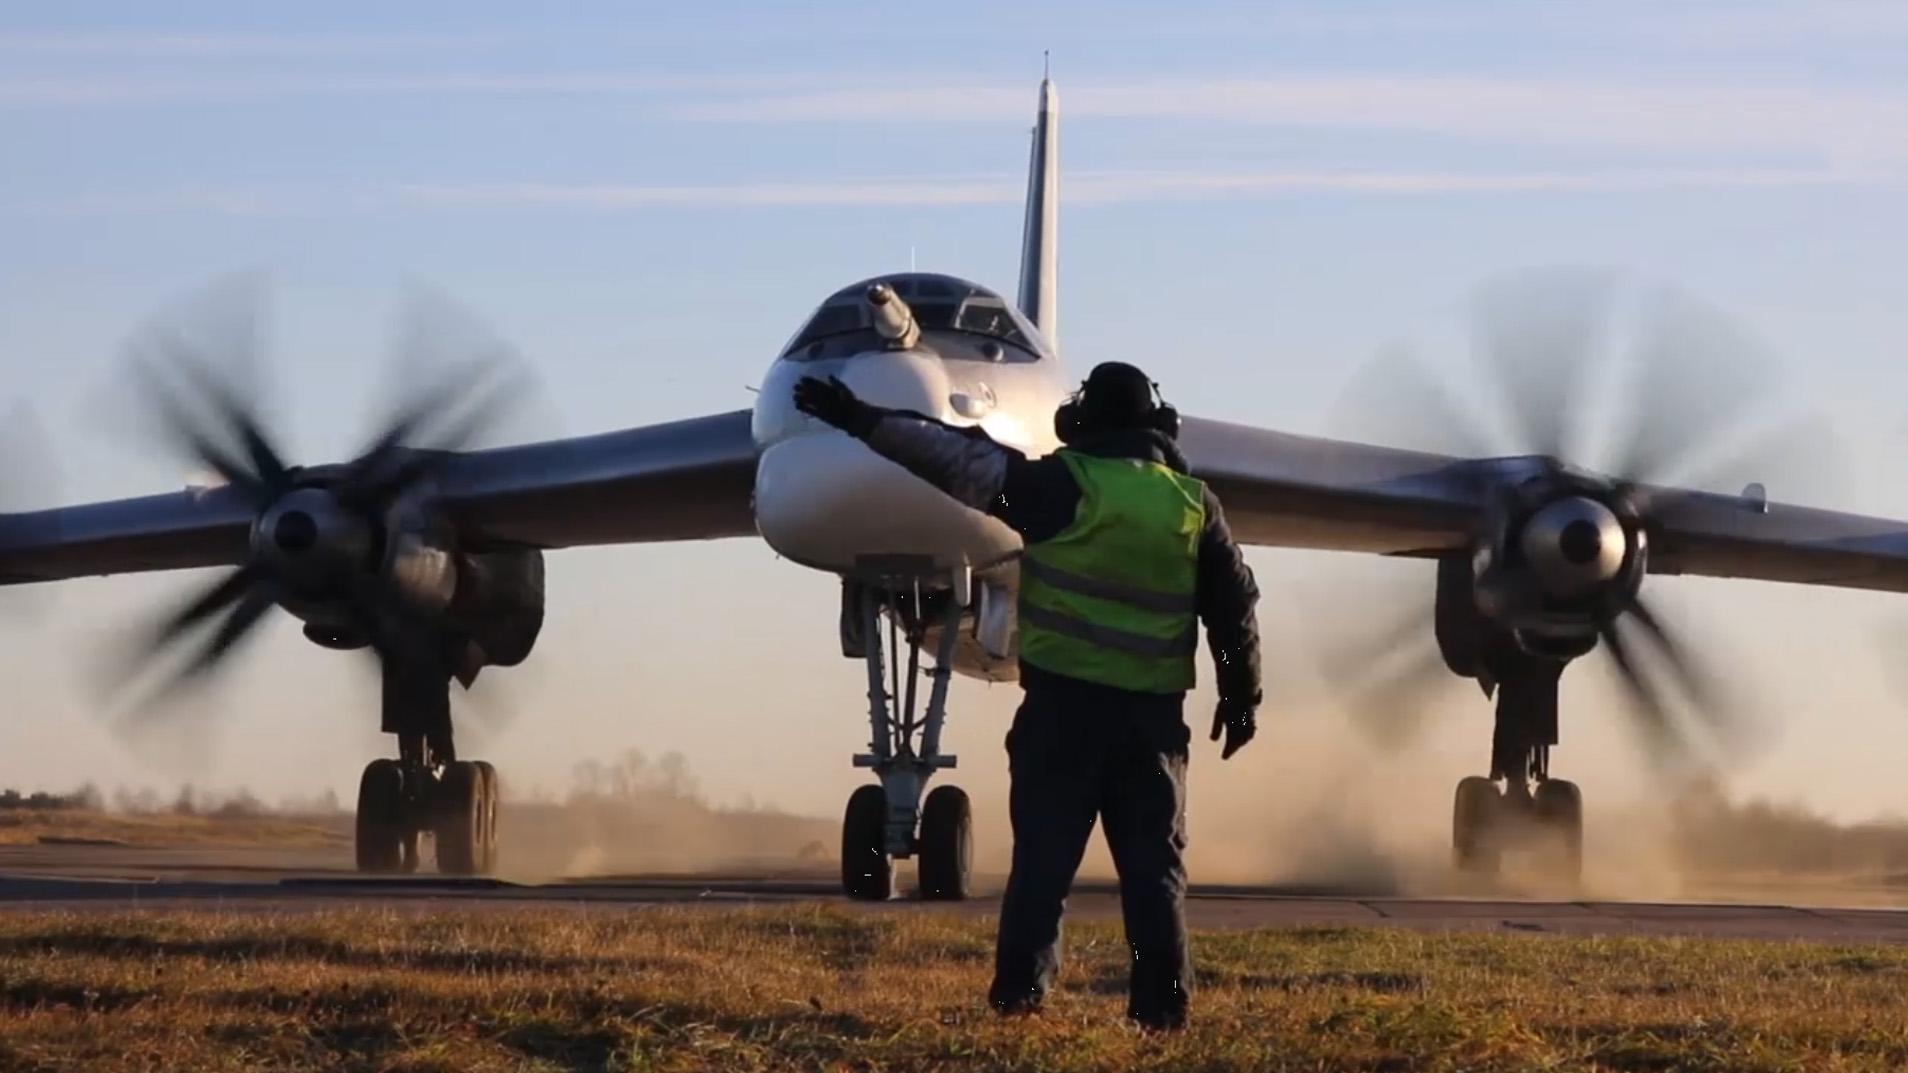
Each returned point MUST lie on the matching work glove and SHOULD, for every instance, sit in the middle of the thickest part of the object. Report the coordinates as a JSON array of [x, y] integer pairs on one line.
[[1238, 722], [832, 402]]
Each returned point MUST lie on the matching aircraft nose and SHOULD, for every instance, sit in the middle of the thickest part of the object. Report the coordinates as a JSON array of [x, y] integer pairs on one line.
[[899, 380], [894, 379]]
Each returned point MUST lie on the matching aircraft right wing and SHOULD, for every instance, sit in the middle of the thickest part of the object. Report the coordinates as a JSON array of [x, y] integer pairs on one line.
[[1293, 491]]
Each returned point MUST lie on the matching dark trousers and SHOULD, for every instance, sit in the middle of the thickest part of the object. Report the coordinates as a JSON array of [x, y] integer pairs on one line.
[[1078, 752]]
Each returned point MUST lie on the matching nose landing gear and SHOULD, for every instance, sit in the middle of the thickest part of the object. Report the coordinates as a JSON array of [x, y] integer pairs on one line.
[[889, 821]]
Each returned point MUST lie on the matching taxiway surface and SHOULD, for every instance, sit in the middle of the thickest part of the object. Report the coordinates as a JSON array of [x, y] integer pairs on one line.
[[40, 877]]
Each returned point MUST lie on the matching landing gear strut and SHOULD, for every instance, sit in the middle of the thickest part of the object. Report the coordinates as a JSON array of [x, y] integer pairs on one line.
[[880, 825], [1520, 807], [427, 790]]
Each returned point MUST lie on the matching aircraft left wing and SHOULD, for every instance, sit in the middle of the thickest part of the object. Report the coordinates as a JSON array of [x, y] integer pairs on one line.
[[684, 480]]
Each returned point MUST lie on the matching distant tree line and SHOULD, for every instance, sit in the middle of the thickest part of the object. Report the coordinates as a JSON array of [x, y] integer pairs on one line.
[[86, 797], [188, 801]]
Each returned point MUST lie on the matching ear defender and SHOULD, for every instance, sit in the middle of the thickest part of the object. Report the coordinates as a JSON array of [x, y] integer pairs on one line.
[[1069, 421], [1165, 420], [1165, 416]]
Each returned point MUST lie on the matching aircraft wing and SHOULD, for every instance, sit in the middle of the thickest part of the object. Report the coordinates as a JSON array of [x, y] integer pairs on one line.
[[685, 480], [1305, 492]]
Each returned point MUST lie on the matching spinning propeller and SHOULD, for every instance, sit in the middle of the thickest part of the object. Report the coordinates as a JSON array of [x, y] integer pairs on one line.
[[1557, 566], [356, 550]]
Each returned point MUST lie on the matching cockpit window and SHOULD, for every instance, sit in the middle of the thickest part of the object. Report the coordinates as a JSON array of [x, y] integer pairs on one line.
[[940, 304]]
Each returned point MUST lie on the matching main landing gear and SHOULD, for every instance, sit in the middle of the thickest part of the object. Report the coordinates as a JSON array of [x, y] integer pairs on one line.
[[889, 821], [1520, 808], [427, 790]]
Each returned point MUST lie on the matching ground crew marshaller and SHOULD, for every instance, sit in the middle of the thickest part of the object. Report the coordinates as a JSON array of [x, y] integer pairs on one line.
[[1124, 551]]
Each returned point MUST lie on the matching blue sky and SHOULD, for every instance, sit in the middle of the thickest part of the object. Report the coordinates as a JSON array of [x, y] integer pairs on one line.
[[647, 198]]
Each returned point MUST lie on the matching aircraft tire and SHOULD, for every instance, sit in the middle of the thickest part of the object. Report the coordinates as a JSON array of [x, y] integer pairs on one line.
[[487, 841], [379, 839], [867, 872], [457, 819], [1474, 815], [1559, 807], [947, 845]]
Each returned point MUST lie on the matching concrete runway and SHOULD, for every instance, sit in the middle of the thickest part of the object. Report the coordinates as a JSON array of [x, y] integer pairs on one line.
[[42, 877]]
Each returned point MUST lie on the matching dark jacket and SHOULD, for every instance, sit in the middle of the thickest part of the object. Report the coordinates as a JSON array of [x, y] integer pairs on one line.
[[1038, 497]]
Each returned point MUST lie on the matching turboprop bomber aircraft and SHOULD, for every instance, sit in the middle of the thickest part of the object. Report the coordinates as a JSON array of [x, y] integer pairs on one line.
[[431, 555]]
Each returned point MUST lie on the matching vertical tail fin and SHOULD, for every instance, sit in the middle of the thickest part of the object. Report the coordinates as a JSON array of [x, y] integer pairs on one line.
[[1039, 249]]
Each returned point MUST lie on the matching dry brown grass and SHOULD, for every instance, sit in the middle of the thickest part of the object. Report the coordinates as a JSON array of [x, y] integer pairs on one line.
[[824, 988], [21, 827]]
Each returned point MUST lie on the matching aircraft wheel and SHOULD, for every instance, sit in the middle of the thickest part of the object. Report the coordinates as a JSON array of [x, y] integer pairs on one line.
[[1559, 808], [458, 815], [1474, 814], [867, 873], [488, 830], [380, 826], [947, 844]]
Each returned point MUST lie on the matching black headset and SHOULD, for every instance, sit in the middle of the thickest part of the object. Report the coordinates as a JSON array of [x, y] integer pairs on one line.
[[1073, 422]]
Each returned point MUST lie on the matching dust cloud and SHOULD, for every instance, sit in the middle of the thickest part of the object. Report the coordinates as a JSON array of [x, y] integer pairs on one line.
[[635, 816], [1314, 806]]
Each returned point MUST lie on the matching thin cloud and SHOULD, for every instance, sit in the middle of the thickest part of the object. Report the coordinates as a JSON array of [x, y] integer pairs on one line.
[[227, 45], [109, 92], [1087, 188], [1838, 123], [1082, 188]]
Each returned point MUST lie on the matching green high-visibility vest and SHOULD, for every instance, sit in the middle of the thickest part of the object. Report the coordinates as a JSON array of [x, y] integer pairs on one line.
[[1110, 598]]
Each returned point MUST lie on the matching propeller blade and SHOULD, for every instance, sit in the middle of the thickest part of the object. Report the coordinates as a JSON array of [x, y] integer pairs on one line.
[[1697, 685], [471, 380], [237, 624], [455, 412], [244, 608], [1389, 676], [1652, 717], [1696, 373], [1395, 400], [1538, 335], [198, 365], [1805, 453], [227, 591], [1389, 707], [242, 422], [176, 421]]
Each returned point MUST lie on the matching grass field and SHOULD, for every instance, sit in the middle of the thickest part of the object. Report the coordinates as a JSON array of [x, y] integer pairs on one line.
[[827, 989]]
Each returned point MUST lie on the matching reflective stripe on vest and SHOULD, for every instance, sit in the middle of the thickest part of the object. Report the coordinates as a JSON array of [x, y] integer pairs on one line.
[[1185, 644], [1110, 599], [1048, 574]]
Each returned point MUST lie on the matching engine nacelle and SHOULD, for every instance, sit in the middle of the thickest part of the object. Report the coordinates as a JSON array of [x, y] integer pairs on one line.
[[328, 555], [499, 603]]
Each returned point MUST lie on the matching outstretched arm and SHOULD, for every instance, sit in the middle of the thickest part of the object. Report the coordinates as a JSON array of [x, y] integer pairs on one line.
[[963, 462]]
